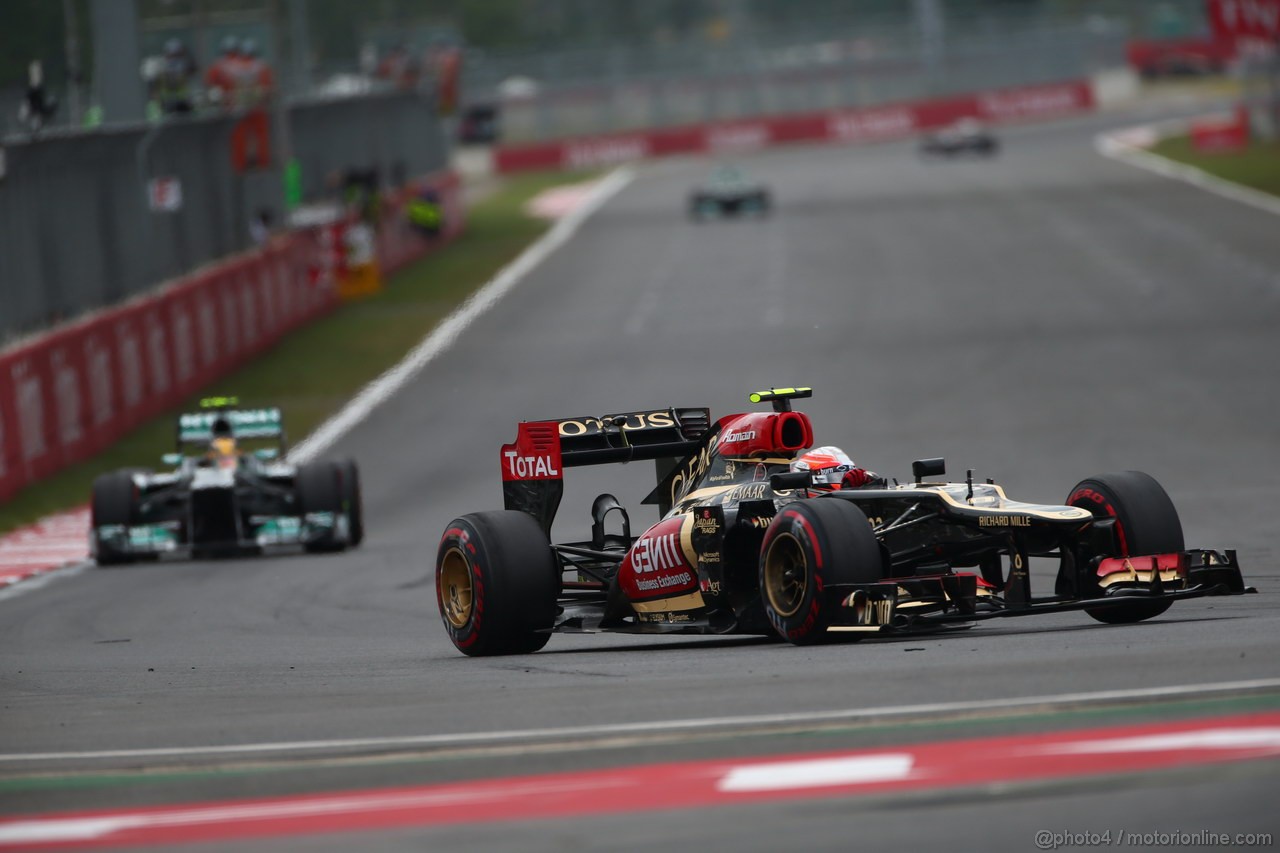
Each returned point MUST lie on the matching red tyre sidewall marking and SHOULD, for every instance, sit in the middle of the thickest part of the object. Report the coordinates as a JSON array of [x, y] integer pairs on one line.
[[812, 619], [466, 637], [1096, 498]]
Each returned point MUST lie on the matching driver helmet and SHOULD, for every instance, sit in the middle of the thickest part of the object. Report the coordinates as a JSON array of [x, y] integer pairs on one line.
[[828, 463], [230, 46], [224, 446], [224, 442]]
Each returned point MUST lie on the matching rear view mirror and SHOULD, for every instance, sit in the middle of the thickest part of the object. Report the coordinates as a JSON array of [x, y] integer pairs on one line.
[[174, 459], [922, 468], [791, 480], [266, 454]]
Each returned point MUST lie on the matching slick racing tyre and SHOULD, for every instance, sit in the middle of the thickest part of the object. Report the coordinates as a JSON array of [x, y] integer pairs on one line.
[[1146, 523], [319, 488], [351, 501], [114, 501], [497, 580], [811, 545]]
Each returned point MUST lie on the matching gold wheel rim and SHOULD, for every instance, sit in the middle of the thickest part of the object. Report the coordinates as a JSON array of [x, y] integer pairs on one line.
[[456, 593], [785, 578]]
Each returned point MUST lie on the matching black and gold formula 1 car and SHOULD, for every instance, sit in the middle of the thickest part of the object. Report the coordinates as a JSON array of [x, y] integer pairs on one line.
[[745, 545]]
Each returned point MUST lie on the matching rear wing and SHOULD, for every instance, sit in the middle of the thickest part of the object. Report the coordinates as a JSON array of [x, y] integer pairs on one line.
[[198, 427], [532, 467]]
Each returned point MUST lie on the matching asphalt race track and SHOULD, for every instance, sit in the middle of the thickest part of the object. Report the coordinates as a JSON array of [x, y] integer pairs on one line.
[[1039, 318]]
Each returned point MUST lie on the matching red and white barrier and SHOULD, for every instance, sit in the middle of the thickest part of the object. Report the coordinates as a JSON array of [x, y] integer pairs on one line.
[[68, 394], [873, 124], [1222, 133]]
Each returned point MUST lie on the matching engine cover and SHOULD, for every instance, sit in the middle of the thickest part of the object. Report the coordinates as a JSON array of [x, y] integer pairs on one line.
[[765, 434]]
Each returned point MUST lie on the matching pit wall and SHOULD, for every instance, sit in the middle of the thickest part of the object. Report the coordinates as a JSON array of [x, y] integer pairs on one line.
[[874, 124], [70, 393]]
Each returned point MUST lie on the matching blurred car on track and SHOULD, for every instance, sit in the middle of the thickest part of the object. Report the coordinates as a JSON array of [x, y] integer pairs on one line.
[[967, 136], [729, 192], [518, 88], [223, 499], [480, 124], [753, 538]]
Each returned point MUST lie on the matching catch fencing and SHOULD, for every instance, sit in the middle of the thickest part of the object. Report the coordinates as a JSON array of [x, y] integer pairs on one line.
[[79, 224], [851, 65]]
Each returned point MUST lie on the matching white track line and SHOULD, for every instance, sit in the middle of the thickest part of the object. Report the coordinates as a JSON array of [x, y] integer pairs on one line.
[[1116, 146], [381, 389], [660, 726]]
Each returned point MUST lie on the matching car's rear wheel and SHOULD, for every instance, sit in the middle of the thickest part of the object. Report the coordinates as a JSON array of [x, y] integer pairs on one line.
[[812, 545], [1146, 523], [319, 488], [497, 580], [114, 501]]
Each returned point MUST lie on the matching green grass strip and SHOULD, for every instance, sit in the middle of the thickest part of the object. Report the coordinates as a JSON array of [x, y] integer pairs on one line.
[[314, 370], [1258, 166]]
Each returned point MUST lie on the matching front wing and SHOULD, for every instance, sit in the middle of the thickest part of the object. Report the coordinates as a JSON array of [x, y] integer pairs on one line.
[[916, 604], [166, 537], [931, 603]]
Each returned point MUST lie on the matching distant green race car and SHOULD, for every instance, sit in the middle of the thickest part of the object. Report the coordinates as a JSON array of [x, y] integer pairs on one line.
[[728, 192], [224, 500]]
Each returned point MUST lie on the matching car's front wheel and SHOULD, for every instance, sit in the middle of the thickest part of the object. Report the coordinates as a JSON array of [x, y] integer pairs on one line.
[[1146, 523], [319, 488], [114, 502], [811, 545], [352, 503]]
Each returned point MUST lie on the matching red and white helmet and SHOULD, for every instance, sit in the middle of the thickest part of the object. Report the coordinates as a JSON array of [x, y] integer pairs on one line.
[[829, 464]]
